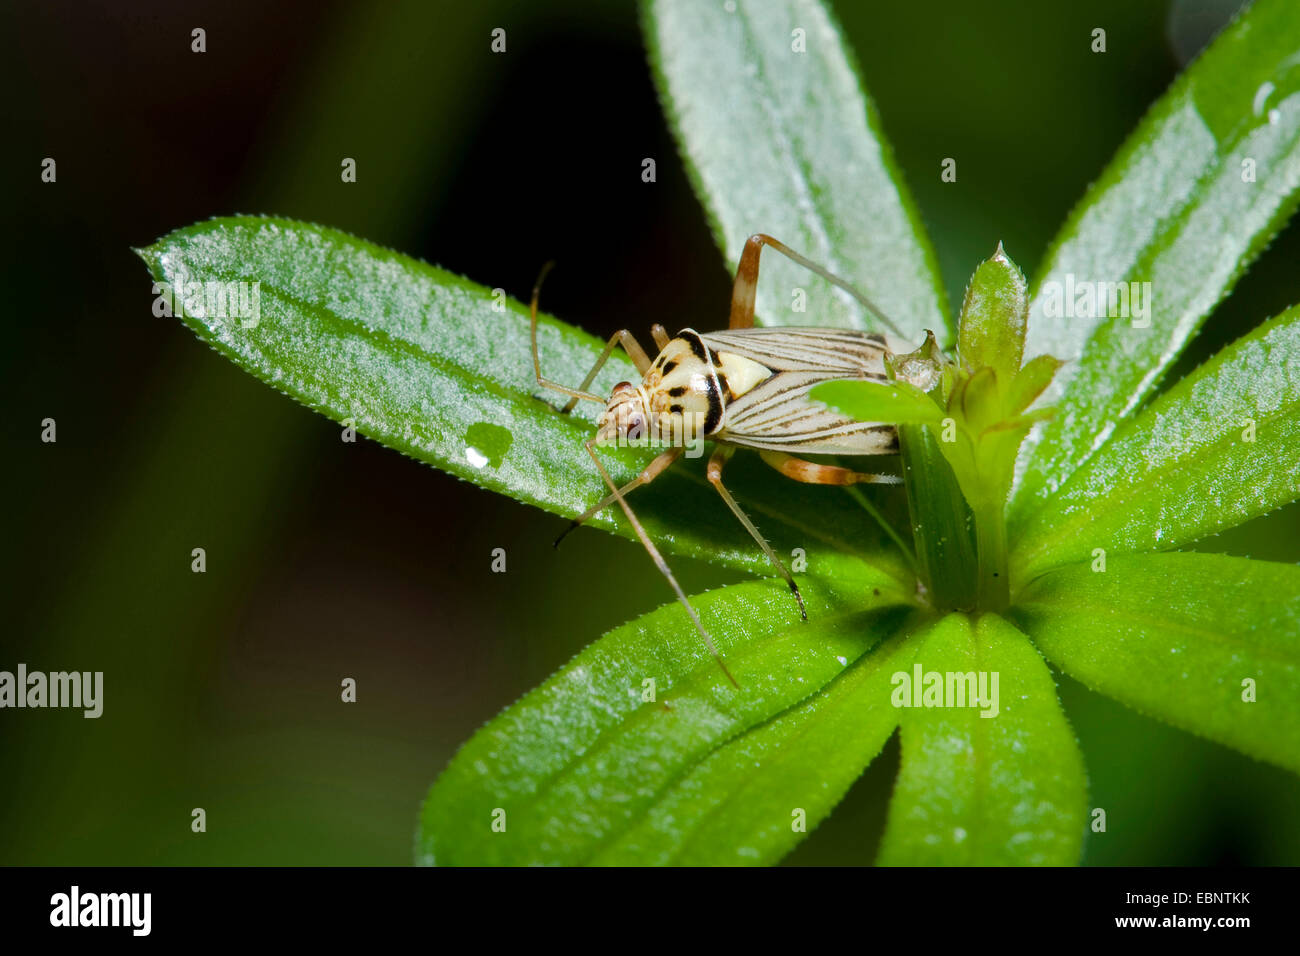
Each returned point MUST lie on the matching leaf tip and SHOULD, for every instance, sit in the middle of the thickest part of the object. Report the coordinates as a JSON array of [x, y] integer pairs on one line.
[[150, 255]]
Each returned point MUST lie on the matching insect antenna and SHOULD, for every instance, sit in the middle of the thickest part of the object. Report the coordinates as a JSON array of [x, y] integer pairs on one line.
[[573, 393], [658, 560]]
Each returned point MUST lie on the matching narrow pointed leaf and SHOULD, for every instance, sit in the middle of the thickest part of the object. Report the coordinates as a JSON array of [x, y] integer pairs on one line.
[[420, 360], [986, 791], [1192, 197], [1205, 642], [893, 403], [587, 758], [991, 330], [1219, 448], [780, 137], [1030, 382], [752, 800]]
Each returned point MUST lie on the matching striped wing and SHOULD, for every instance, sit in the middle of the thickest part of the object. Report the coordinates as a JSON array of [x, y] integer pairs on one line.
[[777, 415]]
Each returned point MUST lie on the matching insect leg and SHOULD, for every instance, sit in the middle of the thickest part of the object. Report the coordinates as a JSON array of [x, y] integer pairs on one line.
[[660, 335], [745, 288], [648, 474], [718, 459], [660, 563], [811, 473], [630, 345]]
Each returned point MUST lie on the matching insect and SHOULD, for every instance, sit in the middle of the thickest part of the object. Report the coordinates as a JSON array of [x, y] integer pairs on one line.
[[746, 387]]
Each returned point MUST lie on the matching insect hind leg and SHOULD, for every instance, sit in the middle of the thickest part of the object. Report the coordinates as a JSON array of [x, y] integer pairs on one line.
[[811, 473], [745, 288], [716, 462]]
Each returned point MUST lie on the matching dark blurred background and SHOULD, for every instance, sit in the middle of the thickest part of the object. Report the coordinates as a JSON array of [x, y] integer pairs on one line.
[[327, 559]]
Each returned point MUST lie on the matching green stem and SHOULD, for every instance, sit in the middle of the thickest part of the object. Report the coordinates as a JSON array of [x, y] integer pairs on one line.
[[941, 521], [991, 547]]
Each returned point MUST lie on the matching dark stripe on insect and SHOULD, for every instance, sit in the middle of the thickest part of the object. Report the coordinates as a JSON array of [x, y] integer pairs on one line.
[[714, 418], [692, 339], [714, 393]]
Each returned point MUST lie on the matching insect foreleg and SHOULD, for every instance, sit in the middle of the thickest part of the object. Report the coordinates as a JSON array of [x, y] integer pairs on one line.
[[660, 336], [718, 459], [630, 345], [811, 473], [745, 288], [660, 563], [648, 474]]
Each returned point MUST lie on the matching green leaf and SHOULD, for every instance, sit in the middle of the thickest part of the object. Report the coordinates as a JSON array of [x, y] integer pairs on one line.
[[1220, 447], [739, 805], [893, 403], [980, 405], [1175, 636], [986, 791], [420, 360], [1173, 209], [942, 522], [786, 142], [587, 769], [1030, 382], [991, 330]]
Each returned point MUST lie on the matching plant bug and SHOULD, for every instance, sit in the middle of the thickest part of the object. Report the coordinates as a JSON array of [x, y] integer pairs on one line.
[[746, 387]]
